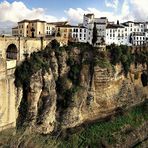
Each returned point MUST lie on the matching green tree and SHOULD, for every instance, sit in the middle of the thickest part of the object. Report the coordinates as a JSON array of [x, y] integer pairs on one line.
[[55, 44], [115, 53], [94, 39]]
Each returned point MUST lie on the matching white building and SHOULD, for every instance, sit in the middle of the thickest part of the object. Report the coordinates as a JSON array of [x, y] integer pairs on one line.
[[138, 38], [89, 20], [80, 33], [127, 33], [72, 33], [51, 27]]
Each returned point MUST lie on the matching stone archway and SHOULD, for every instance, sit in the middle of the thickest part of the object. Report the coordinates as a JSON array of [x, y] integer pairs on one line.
[[11, 52]]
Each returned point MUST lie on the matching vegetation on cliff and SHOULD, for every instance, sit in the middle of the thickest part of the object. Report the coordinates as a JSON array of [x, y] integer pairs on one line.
[[114, 55]]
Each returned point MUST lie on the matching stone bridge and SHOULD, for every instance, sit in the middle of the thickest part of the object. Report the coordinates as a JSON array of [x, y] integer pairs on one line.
[[15, 47], [12, 51]]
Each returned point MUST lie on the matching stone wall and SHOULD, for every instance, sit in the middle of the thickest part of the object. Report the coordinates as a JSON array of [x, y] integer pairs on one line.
[[7, 98]]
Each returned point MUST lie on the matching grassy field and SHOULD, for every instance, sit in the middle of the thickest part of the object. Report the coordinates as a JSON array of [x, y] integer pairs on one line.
[[94, 135]]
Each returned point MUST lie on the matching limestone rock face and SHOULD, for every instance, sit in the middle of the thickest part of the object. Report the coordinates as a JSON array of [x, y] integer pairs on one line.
[[47, 115], [63, 68], [41, 98], [98, 93], [36, 84], [54, 65], [109, 92]]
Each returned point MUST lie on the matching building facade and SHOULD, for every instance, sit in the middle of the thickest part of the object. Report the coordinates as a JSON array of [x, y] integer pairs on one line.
[[127, 33], [35, 28], [72, 33], [89, 21]]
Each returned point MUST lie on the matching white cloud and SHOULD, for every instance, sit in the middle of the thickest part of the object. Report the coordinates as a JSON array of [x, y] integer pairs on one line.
[[135, 10], [17, 11], [76, 15], [11, 13], [139, 9], [112, 3]]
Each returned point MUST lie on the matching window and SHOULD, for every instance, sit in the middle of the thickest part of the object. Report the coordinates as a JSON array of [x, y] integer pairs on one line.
[[80, 30], [39, 32]]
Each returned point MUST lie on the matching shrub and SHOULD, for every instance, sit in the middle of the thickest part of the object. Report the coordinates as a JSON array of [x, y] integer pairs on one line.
[[136, 76], [74, 73]]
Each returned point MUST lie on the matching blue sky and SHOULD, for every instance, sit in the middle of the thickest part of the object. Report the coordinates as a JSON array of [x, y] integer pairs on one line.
[[12, 11], [57, 7]]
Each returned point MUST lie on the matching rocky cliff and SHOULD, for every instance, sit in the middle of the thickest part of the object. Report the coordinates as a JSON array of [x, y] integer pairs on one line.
[[72, 89]]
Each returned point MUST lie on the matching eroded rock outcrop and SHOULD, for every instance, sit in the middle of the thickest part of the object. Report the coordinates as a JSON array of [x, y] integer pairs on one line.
[[107, 94], [73, 90]]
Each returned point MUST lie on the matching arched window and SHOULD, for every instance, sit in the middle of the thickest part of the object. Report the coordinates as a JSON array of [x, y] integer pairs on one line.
[[11, 52]]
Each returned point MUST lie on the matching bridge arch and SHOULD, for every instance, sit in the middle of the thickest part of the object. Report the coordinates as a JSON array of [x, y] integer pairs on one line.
[[11, 52]]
